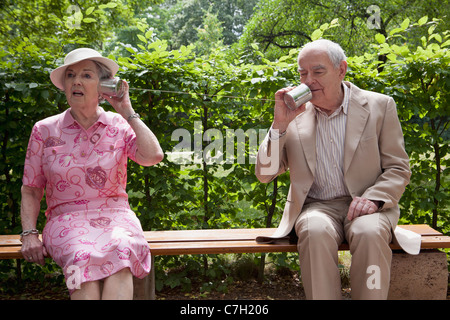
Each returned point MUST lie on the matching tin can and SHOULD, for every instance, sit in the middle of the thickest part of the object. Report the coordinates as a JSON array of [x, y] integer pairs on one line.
[[298, 96], [112, 87]]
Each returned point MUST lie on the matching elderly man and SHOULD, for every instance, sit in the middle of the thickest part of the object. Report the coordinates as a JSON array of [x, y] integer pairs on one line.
[[348, 169]]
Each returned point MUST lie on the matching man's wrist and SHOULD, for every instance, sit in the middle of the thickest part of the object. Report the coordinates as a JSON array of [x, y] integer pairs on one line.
[[275, 134], [378, 203]]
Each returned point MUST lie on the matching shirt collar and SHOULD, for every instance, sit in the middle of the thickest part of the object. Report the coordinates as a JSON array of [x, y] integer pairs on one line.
[[346, 98], [343, 107], [69, 121]]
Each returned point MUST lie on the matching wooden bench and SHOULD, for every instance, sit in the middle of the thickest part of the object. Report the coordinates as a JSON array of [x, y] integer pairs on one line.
[[221, 241]]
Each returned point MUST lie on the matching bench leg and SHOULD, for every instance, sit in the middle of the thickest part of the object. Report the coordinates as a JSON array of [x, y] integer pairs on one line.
[[420, 277], [144, 289]]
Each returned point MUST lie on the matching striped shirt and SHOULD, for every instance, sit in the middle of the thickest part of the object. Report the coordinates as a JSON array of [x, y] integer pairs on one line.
[[329, 180]]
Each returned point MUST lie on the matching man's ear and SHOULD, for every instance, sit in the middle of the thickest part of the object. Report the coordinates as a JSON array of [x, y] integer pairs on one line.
[[343, 69]]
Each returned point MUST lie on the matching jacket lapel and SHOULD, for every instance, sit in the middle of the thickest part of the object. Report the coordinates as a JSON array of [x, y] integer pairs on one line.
[[356, 122], [306, 125]]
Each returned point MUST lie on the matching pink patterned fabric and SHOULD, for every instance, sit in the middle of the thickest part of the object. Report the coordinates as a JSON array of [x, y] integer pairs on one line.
[[84, 172]]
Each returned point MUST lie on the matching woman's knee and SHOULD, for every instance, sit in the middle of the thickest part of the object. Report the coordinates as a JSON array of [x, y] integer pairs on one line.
[[87, 291]]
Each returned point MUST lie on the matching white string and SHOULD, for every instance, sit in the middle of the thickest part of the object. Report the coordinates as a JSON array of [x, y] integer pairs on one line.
[[203, 94], [185, 93]]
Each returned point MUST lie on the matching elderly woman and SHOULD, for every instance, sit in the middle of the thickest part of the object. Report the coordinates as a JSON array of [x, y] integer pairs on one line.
[[79, 158]]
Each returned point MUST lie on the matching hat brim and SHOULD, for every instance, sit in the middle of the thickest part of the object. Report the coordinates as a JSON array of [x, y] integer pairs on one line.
[[57, 75]]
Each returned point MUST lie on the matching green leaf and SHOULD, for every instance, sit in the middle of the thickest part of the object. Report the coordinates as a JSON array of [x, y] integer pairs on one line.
[[293, 52], [423, 20], [149, 34], [380, 38], [395, 30], [324, 26], [405, 24], [89, 20], [317, 34], [109, 5], [45, 94], [130, 49], [142, 38], [436, 36], [446, 43], [424, 41], [334, 23], [90, 10], [392, 57], [431, 29]]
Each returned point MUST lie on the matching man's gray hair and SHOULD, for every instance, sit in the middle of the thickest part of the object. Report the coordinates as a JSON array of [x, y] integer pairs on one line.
[[334, 50]]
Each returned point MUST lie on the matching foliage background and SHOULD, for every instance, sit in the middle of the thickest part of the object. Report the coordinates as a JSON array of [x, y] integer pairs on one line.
[[199, 65]]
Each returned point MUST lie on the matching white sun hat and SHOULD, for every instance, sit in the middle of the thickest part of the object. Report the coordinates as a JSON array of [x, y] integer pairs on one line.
[[75, 56]]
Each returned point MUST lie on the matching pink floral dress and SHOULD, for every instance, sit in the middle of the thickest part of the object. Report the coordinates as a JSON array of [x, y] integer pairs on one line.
[[90, 231]]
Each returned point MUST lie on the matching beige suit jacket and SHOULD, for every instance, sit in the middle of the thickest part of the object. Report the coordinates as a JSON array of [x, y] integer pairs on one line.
[[376, 165]]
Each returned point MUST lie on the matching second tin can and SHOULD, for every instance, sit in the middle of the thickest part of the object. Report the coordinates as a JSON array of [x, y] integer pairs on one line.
[[112, 87], [298, 96]]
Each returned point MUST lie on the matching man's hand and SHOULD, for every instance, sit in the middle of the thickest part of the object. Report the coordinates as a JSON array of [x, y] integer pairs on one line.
[[361, 207], [282, 114]]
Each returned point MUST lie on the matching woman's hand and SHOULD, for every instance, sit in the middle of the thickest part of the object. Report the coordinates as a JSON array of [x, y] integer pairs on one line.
[[33, 249], [122, 105], [149, 151]]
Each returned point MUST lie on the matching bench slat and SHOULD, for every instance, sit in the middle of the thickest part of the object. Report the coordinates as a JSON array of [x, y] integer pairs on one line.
[[178, 235], [11, 252], [12, 240], [422, 229], [239, 246], [250, 246], [206, 235], [215, 235], [217, 247], [243, 234], [216, 241], [435, 242]]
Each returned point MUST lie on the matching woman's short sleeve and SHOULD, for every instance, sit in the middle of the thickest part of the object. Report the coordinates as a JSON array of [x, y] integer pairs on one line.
[[130, 140], [33, 175]]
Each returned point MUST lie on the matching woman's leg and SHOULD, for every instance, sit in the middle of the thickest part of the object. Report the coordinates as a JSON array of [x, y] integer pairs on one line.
[[88, 291], [118, 286]]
